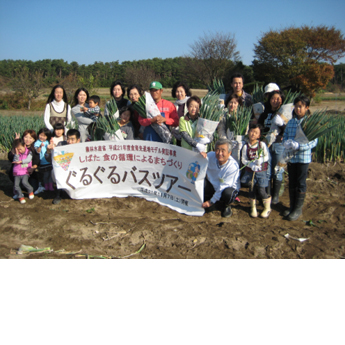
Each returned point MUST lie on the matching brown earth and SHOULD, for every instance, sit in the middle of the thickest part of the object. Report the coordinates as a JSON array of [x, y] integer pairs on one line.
[[125, 224]]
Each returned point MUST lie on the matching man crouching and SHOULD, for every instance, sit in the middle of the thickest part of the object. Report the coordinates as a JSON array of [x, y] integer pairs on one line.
[[222, 182]]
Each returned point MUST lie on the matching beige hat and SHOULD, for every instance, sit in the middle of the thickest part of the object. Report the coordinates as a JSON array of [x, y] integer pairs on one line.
[[271, 87]]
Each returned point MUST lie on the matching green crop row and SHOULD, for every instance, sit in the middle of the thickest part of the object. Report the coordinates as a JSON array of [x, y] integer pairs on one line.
[[10, 125], [331, 147]]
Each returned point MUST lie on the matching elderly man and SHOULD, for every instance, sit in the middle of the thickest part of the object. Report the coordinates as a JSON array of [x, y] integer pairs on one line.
[[237, 88], [222, 182], [168, 113]]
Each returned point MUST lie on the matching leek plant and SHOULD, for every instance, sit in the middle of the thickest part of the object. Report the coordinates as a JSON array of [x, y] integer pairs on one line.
[[10, 125], [210, 108], [216, 87], [238, 122]]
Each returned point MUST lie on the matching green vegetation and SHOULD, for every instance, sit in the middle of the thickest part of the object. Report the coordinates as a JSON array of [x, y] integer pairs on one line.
[[331, 146], [17, 124]]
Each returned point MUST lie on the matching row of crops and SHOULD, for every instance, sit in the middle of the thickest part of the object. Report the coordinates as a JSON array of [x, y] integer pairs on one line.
[[330, 147]]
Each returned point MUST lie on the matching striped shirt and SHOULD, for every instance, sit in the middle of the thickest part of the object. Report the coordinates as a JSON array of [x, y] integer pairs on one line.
[[303, 154]]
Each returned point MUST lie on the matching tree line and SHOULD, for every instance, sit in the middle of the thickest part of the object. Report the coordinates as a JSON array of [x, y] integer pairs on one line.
[[301, 59]]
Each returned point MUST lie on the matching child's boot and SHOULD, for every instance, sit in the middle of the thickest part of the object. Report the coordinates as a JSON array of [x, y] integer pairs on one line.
[[46, 186], [50, 186], [267, 208], [297, 212], [253, 211]]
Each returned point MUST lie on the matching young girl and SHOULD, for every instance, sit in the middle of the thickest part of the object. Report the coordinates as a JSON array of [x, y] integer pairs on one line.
[[45, 168], [232, 103], [298, 165], [22, 162], [59, 130], [57, 108], [187, 126], [125, 123], [258, 168]]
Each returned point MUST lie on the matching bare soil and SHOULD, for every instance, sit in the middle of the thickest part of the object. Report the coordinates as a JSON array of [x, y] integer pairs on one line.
[[123, 225]]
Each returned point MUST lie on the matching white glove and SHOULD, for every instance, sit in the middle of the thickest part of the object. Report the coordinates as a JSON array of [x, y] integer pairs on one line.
[[294, 145], [256, 168], [203, 140], [259, 161], [252, 165], [278, 121], [201, 147], [287, 144]]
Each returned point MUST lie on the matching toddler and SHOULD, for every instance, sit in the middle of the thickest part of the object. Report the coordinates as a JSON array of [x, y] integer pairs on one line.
[[22, 162], [94, 111]]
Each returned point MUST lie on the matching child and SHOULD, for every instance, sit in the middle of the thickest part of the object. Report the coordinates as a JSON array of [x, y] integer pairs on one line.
[[127, 129], [298, 165], [256, 164], [45, 167], [187, 126], [22, 162], [73, 137], [94, 111], [59, 130]]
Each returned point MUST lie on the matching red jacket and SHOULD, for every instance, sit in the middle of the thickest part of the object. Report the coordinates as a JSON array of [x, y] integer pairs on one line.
[[168, 109]]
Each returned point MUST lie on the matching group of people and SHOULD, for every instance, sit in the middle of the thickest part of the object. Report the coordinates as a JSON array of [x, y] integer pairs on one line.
[[31, 154]]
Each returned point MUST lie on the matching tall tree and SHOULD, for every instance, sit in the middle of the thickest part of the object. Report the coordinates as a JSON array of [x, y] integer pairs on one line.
[[28, 84], [299, 57], [212, 54]]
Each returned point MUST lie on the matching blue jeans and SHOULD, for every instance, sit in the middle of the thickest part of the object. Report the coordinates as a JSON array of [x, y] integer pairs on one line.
[[276, 152], [260, 178]]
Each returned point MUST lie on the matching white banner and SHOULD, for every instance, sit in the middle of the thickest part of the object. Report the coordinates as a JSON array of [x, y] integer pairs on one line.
[[167, 174]]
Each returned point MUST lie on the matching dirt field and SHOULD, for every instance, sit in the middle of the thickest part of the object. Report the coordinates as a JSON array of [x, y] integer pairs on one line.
[[124, 225]]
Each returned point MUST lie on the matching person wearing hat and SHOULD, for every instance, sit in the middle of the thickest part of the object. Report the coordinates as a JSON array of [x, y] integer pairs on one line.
[[222, 182], [168, 113]]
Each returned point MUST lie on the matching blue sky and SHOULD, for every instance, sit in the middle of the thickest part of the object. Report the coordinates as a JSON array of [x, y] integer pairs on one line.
[[88, 31]]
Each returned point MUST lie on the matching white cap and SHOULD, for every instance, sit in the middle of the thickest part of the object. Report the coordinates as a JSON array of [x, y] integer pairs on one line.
[[271, 87]]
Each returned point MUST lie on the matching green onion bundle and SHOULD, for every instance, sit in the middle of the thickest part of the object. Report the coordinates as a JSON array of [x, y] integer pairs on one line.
[[107, 125], [140, 106], [112, 107], [290, 97], [216, 87], [317, 124], [258, 94], [238, 122], [210, 108]]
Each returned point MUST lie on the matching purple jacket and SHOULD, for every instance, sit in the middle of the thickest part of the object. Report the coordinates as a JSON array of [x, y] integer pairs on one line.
[[22, 169]]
